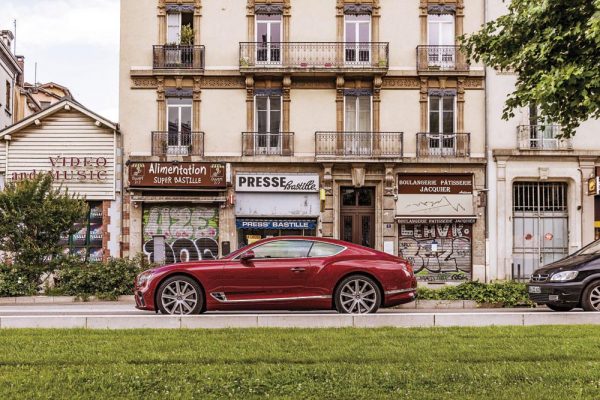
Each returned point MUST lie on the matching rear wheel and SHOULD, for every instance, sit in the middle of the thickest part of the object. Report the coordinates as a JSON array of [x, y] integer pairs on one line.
[[357, 294], [555, 307], [590, 300], [180, 295]]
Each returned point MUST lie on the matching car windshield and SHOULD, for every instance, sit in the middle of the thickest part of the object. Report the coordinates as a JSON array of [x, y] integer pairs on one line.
[[592, 248]]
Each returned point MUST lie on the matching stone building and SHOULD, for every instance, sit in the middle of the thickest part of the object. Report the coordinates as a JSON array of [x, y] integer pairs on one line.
[[11, 72], [358, 120]]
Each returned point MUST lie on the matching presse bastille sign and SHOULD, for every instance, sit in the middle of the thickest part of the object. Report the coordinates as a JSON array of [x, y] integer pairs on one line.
[[281, 183], [177, 175]]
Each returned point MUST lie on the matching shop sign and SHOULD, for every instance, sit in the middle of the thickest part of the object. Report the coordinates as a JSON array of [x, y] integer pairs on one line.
[[282, 224], [180, 175], [77, 169], [435, 195], [594, 186], [281, 183]]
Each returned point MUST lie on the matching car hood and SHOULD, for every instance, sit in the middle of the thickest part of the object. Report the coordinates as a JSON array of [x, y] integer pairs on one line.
[[568, 263]]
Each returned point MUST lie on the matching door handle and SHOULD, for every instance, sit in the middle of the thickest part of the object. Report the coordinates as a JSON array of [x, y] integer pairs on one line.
[[298, 269]]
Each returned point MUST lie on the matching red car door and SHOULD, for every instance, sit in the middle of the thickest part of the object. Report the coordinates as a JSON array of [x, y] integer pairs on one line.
[[279, 271]]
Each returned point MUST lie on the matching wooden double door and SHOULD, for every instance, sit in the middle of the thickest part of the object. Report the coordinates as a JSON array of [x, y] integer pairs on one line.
[[357, 215]]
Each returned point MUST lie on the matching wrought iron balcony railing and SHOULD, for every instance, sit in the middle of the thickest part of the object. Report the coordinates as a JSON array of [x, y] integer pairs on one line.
[[314, 55], [359, 144], [443, 144], [178, 144], [441, 58], [268, 144], [178, 57], [542, 137]]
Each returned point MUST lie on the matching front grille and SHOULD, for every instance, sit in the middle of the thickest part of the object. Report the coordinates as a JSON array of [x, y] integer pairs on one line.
[[539, 277], [538, 297]]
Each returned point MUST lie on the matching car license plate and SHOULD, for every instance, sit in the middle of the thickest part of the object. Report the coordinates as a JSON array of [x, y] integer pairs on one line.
[[535, 289]]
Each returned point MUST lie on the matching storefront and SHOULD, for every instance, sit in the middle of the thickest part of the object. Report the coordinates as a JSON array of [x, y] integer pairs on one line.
[[435, 214], [79, 149], [276, 204], [179, 205]]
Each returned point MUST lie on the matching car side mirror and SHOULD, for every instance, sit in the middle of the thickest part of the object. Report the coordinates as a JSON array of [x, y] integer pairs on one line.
[[247, 256]]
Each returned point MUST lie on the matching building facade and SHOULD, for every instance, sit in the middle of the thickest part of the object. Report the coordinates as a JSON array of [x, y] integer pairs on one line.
[[11, 72], [244, 120], [541, 209]]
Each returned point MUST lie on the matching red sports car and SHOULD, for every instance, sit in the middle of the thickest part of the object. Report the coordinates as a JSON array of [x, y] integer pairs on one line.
[[283, 273]]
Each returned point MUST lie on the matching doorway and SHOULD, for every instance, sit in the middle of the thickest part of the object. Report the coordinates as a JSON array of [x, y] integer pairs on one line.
[[357, 215]]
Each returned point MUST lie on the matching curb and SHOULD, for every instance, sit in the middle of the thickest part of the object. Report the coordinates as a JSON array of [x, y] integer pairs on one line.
[[439, 304], [405, 320], [59, 300]]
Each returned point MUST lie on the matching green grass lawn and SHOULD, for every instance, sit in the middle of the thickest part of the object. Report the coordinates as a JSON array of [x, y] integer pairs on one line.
[[458, 363]]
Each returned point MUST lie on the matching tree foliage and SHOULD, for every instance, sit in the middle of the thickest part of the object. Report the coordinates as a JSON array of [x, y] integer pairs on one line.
[[554, 47], [33, 217]]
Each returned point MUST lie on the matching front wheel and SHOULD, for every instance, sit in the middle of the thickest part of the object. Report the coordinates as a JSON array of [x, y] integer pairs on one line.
[[555, 307], [180, 295], [590, 300], [357, 294]]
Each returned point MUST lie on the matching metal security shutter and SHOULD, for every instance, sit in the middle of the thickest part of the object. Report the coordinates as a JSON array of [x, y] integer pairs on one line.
[[191, 232], [540, 225]]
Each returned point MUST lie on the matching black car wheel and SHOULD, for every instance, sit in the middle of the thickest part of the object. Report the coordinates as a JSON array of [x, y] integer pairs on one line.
[[590, 300], [357, 294], [555, 307], [180, 295]]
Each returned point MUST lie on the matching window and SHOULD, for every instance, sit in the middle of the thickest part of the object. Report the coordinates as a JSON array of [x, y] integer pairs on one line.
[[357, 34], [268, 38], [441, 125], [268, 124], [441, 39], [175, 24], [44, 104], [179, 117], [87, 240], [358, 114], [320, 249], [283, 249], [8, 95]]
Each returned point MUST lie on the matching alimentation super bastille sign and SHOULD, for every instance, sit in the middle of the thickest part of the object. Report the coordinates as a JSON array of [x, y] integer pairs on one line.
[[182, 175]]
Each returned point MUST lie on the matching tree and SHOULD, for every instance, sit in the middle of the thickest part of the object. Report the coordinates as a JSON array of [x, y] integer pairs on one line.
[[33, 217], [554, 48]]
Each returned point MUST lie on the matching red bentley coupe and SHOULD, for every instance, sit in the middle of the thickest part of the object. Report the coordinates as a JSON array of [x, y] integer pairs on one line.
[[283, 273]]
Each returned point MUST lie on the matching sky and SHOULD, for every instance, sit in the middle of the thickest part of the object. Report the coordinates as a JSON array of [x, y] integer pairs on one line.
[[75, 43]]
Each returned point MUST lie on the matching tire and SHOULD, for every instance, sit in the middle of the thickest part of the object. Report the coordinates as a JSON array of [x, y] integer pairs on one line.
[[180, 295], [590, 300], [357, 294], [555, 307]]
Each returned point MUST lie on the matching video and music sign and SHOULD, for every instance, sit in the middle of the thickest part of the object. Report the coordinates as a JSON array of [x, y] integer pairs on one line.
[[190, 175], [429, 195]]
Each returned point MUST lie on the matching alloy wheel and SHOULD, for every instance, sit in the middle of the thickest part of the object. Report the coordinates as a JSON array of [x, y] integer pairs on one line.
[[358, 296], [179, 297], [595, 298]]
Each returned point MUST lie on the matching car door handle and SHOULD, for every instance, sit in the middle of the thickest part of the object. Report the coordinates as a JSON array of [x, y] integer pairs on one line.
[[298, 269]]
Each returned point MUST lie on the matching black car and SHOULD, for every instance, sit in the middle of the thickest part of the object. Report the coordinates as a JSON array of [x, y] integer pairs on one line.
[[571, 282]]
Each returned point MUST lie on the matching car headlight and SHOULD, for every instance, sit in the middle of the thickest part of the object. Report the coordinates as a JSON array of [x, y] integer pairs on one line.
[[144, 278], [564, 276]]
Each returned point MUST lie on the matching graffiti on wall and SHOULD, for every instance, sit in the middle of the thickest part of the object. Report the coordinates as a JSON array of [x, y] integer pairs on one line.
[[439, 251], [191, 232]]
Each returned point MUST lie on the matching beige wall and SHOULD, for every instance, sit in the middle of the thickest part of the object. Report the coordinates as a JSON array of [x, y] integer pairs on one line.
[[139, 32], [400, 112], [223, 115], [475, 120], [138, 120], [310, 111], [313, 21], [400, 25], [222, 27]]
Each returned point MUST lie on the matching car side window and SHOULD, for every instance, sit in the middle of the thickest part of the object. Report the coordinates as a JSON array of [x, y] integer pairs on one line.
[[283, 249], [321, 249]]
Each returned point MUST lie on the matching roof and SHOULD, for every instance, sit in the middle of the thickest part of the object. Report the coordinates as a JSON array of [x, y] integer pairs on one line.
[[54, 109]]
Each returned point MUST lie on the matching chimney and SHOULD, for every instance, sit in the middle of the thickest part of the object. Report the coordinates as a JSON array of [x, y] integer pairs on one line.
[[21, 62], [7, 37]]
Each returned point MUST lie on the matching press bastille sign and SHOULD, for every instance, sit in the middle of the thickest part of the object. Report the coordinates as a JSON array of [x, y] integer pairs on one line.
[[82, 169]]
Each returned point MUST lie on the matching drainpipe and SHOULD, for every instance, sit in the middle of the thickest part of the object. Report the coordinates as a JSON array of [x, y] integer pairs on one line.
[[487, 157]]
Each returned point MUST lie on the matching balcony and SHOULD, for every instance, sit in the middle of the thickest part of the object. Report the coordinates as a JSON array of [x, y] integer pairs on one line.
[[441, 60], [311, 57], [267, 144], [359, 144], [178, 57], [178, 144], [445, 145], [542, 137]]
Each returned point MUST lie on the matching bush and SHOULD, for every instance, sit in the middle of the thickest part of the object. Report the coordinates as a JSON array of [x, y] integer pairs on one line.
[[507, 294], [14, 282], [103, 280]]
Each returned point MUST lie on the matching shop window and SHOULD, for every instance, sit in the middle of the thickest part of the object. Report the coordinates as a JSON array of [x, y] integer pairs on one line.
[[87, 240], [283, 249]]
